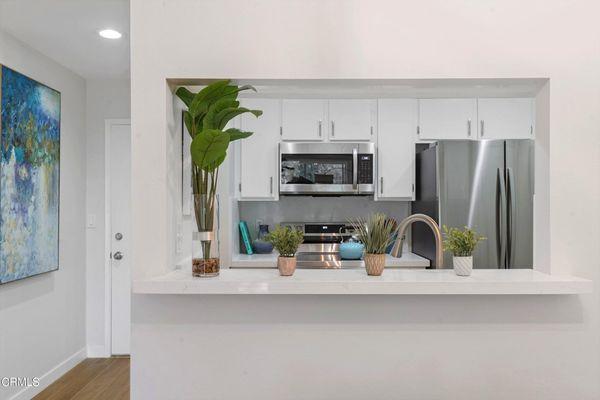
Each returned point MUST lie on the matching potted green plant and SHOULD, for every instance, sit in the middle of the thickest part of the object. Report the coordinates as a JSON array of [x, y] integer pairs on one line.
[[461, 243], [205, 118], [376, 232], [286, 240]]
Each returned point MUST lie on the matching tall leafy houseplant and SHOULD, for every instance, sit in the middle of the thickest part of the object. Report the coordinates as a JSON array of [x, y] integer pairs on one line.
[[206, 117]]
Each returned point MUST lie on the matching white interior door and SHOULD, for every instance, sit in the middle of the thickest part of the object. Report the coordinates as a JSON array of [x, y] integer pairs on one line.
[[119, 208]]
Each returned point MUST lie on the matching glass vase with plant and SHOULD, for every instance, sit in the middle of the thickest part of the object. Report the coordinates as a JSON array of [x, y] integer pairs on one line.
[[376, 232], [207, 115], [286, 240], [461, 243]]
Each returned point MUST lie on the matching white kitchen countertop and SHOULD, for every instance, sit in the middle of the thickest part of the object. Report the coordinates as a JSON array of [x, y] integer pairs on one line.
[[408, 260], [355, 281]]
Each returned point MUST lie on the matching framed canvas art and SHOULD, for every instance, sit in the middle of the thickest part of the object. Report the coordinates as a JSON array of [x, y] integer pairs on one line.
[[29, 176]]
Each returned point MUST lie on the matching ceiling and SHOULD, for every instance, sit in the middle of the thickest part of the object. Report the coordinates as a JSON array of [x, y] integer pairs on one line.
[[67, 32]]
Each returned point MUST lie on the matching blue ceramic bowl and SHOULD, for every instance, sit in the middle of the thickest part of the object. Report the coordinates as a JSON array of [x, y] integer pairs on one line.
[[262, 247], [351, 250]]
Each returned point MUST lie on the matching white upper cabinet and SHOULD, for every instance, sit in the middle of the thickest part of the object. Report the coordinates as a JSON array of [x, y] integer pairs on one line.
[[509, 118], [260, 152], [352, 119], [303, 119], [447, 119], [397, 123]]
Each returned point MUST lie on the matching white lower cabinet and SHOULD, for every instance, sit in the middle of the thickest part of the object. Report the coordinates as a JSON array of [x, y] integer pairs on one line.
[[397, 122], [506, 118], [258, 174]]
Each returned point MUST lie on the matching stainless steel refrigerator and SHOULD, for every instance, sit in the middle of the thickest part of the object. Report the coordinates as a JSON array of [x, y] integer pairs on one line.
[[486, 185]]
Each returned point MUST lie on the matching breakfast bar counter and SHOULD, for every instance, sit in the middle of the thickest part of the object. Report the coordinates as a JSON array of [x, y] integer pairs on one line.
[[355, 281]]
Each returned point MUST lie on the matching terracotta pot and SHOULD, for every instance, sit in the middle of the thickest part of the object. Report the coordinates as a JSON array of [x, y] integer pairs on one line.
[[463, 266], [286, 265], [374, 263]]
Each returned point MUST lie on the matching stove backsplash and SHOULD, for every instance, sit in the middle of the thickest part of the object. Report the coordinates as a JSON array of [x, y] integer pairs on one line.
[[317, 209]]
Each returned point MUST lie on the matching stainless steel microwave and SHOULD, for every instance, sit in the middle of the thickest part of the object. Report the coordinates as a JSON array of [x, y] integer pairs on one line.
[[327, 169]]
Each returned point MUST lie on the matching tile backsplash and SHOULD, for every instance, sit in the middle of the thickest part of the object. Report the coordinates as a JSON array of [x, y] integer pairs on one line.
[[317, 209]]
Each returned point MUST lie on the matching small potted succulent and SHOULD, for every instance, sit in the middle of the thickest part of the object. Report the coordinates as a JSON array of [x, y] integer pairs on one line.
[[376, 232], [286, 240], [461, 243]]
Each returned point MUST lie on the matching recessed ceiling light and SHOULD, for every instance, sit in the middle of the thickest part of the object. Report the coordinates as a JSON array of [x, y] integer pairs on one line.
[[110, 34]]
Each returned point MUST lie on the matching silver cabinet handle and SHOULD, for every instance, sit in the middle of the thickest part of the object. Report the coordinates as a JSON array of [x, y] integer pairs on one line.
[[482, 127], [271, 184], [469, 127], [118, 255], [320, 130], [381, 185], [332, 128]]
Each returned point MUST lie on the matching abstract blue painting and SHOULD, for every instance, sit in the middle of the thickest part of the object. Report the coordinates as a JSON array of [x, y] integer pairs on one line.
[[29, 176]]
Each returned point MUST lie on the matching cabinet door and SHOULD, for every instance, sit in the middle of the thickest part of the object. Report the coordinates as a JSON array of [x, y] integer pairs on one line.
[[303, 119], [352, 119], [259, 153], [506, 118], [397, 122], [447, 119]]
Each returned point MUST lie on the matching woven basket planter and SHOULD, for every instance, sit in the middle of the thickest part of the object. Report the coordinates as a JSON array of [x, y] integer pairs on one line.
[[374, 263]]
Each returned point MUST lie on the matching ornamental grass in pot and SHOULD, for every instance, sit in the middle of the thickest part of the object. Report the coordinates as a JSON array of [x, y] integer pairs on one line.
[[286, 240], [206, 117], [376, 232], [461, 243]]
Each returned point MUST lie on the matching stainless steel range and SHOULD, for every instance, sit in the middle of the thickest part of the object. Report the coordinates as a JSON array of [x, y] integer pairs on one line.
[[321, 247]]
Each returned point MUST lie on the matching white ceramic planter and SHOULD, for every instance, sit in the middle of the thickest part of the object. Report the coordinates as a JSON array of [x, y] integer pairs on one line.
[[463, 266]]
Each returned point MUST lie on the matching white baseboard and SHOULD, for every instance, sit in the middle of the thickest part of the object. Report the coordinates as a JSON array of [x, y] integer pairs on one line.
[[51, 376], [97, 351]]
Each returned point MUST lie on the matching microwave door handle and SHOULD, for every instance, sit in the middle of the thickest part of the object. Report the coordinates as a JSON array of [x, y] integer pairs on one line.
[[355, 168]]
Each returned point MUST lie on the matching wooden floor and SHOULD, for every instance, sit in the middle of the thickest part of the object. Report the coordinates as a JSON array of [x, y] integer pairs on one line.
[[93, 378]]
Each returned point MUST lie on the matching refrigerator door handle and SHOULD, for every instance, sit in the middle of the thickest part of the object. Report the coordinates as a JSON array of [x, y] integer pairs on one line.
[[510, 217], [500, 217]]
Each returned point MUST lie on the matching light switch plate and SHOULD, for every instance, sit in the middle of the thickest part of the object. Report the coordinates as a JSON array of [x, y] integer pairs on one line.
[[91, 221]]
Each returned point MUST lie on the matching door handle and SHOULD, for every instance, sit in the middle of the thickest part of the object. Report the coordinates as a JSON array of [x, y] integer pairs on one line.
[[118, 255], [332, 128], [381, 185], [482, 127], [469, 127], [510, 217], [271, 184], [500, 216], [354, 168], [320, 129]]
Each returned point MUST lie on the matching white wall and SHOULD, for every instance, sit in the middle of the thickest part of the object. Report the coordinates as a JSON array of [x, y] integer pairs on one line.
[[42, 318], [518, 347], [106, 99]]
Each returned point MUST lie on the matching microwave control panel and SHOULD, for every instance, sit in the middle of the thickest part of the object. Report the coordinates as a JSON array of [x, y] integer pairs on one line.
[[365, 169]]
